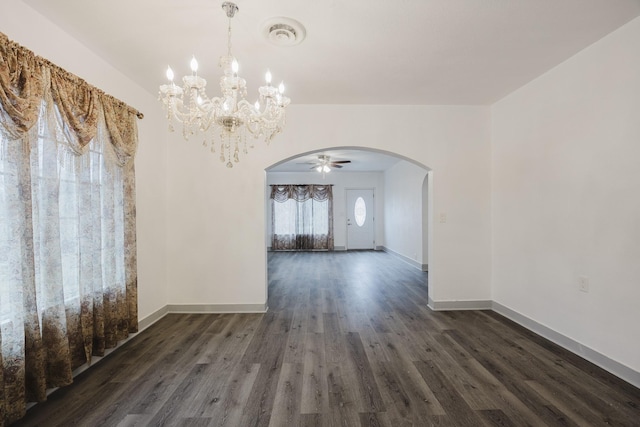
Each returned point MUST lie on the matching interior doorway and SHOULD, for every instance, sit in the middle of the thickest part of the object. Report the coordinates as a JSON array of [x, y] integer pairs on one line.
[[398, 208], [360, 219]]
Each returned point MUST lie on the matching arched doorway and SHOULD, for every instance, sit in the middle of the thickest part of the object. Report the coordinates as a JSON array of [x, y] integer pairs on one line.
[[400, 185]]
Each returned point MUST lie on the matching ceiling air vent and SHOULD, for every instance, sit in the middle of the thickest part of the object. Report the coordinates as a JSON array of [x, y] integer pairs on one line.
[[284, 31]]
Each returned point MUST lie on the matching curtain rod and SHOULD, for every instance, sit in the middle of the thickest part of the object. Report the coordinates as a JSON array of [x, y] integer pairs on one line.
[[4, 39]]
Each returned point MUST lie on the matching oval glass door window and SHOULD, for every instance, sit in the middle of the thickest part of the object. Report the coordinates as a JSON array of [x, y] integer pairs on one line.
[[360, 211]]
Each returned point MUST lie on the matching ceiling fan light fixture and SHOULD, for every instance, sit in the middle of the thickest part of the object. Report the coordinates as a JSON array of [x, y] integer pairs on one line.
[[324, 164]]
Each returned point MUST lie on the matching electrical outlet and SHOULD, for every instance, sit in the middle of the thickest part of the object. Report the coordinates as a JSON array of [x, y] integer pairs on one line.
[[443, 218], [583, 283]]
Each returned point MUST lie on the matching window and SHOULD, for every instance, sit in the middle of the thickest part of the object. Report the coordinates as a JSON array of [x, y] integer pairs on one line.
[[360, 211], [67, 225], [310, 216], [302, 217]]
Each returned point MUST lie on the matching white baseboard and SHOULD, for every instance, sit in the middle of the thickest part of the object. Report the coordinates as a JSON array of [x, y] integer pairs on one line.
[[411, 262], [616, 368], [144, 323], [217, 308], [459, 305]]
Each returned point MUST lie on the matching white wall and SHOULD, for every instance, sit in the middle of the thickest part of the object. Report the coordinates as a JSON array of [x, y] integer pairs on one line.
[[36, 33], [404, 225], [566, 197], [341, 181], [216, 216]]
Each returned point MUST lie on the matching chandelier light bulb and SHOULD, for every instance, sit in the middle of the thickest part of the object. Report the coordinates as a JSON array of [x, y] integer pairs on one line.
[[267, 77], [169, 74], [257, 106], [235, 66], [194, 65], [281, 88]]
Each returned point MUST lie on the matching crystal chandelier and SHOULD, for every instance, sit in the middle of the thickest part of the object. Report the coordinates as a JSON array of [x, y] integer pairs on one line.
[[227, 118]]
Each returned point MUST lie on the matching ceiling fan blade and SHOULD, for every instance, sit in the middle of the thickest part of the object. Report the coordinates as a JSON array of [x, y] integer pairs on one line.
[[336, 166], [341, 161]]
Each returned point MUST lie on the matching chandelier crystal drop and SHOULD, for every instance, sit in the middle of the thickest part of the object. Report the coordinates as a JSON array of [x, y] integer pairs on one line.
[[227, 119]]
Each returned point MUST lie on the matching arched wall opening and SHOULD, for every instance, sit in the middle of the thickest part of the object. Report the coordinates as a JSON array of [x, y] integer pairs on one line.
[[216, 219], [402, 200]]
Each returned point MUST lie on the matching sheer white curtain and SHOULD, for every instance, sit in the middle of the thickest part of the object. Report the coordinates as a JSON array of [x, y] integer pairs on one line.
[[67, 226], [306, 218], [62, 241], [302, 217]]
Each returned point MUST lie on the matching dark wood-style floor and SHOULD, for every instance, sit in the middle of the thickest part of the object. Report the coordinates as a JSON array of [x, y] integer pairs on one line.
[[348, 341]]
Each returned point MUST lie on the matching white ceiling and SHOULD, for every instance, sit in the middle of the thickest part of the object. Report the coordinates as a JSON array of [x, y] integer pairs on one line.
[[410, 52], [406, 52]]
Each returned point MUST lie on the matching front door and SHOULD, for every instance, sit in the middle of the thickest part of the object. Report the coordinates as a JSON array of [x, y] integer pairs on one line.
[[360, 231]]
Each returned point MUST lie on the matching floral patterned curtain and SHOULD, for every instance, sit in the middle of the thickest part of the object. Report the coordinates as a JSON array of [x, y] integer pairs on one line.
[[302, 217], [68, 275]]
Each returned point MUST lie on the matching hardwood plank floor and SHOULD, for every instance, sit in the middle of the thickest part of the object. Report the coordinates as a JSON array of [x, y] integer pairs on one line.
[[348, 341]]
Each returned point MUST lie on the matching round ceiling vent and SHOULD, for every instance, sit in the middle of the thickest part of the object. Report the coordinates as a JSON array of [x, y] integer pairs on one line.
[[284, 31]]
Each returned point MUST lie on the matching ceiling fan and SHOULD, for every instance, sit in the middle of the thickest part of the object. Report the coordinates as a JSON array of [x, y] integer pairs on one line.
[[324, 163]]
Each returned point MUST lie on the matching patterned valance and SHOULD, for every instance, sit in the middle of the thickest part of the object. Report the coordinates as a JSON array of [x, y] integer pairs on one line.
[[300, 193], [26, 80]]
